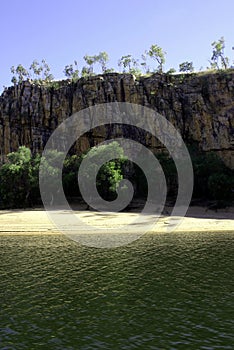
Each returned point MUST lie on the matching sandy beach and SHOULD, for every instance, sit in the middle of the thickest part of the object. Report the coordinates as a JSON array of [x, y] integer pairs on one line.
[[197, 219]]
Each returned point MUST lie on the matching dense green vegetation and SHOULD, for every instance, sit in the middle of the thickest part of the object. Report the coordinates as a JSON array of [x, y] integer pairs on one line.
[[111, 173], [19, 184], [19, 176], [19, 179], [151, 61]]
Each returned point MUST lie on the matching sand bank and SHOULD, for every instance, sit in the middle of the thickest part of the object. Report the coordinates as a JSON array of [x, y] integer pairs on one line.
[[197, 219]]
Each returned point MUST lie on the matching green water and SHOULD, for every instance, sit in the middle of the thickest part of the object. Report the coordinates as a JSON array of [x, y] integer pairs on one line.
[[169, 291]]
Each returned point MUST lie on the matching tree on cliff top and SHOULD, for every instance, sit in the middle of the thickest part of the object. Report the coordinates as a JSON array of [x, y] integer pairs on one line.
[[129, 64], [71, 71], [186, 67], [20, 74], [40, 73], [102, 58], [218, 55], [156, 53]]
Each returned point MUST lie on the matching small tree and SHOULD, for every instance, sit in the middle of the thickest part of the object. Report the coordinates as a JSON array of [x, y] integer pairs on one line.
[[186, 67], [90, 61], [129, 64], [71, 71], [171, 71], [218, 55], [110, 70], [125, 63], [156, 53], [37, 69], [86, 71], [102, 58], [46, 75], [20, 74], [144, 62], [40, 73]]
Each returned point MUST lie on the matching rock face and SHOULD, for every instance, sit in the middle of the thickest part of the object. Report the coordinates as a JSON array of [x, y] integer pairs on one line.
[[200, 106]]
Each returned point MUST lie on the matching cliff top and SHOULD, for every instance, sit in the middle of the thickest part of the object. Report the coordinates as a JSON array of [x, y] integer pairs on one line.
[[173, 79]]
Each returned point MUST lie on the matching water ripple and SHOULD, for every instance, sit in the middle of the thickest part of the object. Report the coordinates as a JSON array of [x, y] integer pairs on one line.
[[168, 291]]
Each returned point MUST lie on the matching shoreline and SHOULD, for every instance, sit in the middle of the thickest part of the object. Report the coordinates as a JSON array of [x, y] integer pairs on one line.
[[36, 221]]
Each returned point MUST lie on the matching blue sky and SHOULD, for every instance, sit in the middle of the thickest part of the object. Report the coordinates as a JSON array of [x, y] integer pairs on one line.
[[63, 30]]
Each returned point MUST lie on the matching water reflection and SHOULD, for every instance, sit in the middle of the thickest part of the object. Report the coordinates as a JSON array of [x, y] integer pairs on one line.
[[164, 291]]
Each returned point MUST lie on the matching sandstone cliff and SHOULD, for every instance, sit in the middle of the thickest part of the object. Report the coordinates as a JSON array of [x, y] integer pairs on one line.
[[200, 106]]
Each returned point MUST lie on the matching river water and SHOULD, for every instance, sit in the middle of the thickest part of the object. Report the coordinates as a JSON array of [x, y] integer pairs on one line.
[[163, 291]]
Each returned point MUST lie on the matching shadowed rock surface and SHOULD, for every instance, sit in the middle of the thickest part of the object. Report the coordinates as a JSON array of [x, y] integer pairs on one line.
[[200, 106]]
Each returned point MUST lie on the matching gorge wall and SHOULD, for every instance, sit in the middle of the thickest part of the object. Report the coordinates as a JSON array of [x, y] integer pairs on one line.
[[200, 106]]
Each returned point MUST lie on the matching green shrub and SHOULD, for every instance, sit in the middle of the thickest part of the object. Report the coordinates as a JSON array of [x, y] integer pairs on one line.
[[220, 186], [18, 179], [19, 176], [212, 179]]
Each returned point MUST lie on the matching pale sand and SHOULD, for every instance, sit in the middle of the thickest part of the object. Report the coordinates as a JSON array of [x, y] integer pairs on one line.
[[198, 219]]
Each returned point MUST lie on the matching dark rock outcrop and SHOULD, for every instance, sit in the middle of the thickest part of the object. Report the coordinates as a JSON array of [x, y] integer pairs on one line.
[[200, 106]]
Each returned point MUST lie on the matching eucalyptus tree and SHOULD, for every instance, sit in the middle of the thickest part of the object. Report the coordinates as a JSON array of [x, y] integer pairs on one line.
[[129, 64], [37, 69], [20, 74], [71, 71], [218, 59], [46, 75], [102, 58], [186, 67], [157, 54], [90, 61]]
